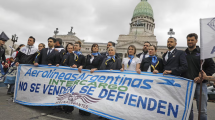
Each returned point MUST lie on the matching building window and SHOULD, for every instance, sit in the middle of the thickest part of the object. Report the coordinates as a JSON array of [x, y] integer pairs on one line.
[[161, 53], [103, 49], [87, 48]]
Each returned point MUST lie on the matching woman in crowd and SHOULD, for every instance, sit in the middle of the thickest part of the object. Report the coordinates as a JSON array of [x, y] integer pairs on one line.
[[64, 62], [76, 60], [131, 62], [68, 52], [152, 63], [17, 50], [93, 62], [41, 46], [111, 62]]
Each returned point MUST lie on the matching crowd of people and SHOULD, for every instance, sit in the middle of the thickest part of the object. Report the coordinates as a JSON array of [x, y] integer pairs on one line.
[[186, 63]]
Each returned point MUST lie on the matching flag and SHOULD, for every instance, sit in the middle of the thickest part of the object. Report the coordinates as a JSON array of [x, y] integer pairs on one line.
[[207, 31]]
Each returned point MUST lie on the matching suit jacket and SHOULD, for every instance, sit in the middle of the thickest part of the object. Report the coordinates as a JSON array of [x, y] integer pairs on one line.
[[2, 54], [177, 62], [138, 55], [117, 65], [96, 63], [148, 61], [80, 62], [45, 59]]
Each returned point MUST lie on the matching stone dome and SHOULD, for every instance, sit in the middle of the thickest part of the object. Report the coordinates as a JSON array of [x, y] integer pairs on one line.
[[143, 9]]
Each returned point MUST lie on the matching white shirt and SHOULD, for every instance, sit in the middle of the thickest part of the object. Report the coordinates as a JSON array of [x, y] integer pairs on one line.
[[14, 55], [141, 56], [92, 58], [50, 50], [133, 64], [166, 57], [149, 69]]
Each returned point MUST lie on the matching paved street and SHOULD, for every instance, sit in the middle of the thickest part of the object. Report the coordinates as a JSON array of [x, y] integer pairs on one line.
[[14, 111]]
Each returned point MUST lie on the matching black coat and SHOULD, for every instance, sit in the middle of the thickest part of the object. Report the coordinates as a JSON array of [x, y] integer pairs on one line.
[[117, 65], [96, 63], [194, 65], [80, 62], [62, 53], [45, 59], [148, 61], [177, 62], [2, 54], [64, 60]]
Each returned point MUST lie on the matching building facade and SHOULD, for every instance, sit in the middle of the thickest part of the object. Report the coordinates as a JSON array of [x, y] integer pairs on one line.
[[141, 29]]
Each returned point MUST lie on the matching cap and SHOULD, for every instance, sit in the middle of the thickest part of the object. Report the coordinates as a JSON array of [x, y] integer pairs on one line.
[[3, 37]]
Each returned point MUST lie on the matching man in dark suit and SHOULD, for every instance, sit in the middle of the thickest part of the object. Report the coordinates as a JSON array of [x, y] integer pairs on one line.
[[174, 60], [110, 43], [48, 56], [145, 53]]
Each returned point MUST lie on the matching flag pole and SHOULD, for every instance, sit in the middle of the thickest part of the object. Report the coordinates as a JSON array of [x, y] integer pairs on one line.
[[200, 98], [202, 62]]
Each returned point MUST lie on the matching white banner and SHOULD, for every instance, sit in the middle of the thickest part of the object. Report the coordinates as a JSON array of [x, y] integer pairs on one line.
[[111, 94], [207, 38]]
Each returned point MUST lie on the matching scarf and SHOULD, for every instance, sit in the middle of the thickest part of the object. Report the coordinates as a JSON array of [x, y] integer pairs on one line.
[[110, 58], [155, 61], [77, 54], [129, 62], [96, 54]]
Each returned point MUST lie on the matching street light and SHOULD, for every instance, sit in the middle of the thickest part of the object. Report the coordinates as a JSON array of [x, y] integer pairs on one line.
[[14, 39], [171, 32], [56, 32]]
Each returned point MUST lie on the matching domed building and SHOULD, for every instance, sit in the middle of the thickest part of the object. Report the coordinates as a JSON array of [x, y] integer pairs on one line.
[[141, 29]]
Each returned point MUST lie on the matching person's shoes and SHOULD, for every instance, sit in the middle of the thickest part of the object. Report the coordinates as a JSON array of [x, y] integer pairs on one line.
[[9, 93]]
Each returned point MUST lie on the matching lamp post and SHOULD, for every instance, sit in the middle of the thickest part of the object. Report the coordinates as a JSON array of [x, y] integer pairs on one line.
[[14, 39], [56, 32], [171, 32]]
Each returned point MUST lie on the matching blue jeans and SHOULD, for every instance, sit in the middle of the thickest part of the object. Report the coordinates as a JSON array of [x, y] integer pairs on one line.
[[204, 101]]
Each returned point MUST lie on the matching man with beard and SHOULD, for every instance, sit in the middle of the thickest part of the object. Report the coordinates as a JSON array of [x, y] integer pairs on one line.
[[48, 56], [145, 53], [110, 43], [174, 60], [194, 65]]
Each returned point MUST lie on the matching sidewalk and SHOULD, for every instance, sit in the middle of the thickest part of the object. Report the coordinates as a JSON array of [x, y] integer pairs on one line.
[[14, 111]]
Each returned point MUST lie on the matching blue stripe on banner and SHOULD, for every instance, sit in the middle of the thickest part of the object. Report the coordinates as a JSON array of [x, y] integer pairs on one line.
[[17, 80], [53, 104], [113, 71], [185, 108], [191, 90], [106, 114]]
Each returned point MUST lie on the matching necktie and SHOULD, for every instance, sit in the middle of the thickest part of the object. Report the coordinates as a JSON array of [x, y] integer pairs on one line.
[[129, 62], [144, 56], [169, 53], [49, 51]]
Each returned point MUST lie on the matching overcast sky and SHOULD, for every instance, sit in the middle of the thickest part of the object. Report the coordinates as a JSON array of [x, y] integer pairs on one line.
[[99, 20]]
